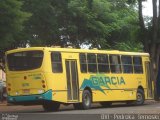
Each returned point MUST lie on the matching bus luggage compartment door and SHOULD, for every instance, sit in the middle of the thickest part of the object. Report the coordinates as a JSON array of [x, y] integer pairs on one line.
[[72, 80]]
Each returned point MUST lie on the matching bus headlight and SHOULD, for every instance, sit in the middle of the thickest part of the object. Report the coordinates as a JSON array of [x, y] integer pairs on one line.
[[40, 91]]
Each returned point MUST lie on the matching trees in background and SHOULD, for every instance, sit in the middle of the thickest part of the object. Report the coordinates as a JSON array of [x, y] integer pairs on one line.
[[104, 24], [11, 25], [42, 28], [150, 37], [11, 22], [100, 23]]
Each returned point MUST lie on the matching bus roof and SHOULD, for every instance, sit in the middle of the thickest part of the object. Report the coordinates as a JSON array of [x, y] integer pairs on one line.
[[73, 50]]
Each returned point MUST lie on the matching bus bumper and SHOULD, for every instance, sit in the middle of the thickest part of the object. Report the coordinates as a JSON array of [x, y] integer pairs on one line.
[[30, 99]]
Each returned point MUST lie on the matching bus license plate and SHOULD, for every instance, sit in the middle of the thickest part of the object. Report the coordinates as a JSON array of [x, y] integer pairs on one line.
[[26, 91]]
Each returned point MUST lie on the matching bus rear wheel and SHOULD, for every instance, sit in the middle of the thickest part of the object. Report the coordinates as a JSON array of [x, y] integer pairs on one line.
[[51, 106], [140, 98]]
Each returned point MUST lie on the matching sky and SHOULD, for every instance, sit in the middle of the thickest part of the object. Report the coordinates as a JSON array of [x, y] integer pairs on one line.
[[147, 8]]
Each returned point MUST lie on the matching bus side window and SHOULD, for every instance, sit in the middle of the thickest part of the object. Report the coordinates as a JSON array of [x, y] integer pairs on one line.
[[138, 68], [103, 66], [127, 64], [115, 63], [92, 63], [56, 62], [83, 62]]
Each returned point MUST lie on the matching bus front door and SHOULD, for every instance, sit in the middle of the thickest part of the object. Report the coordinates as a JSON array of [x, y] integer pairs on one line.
[[150, 93], [72, 80]]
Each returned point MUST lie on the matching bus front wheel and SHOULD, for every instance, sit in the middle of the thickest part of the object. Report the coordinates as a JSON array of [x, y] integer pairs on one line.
[[51, 106]]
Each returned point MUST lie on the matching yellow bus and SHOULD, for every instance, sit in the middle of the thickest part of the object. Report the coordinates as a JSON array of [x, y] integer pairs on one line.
[[52, 76]]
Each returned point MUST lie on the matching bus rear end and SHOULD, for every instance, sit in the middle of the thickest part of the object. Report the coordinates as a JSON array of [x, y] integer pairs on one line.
[[26, 82]]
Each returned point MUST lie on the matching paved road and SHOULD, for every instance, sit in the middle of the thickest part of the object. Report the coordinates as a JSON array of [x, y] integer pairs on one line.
[[96, 112]]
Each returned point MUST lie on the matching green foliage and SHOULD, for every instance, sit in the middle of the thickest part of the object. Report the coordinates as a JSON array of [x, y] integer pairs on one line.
[[103, 22], [129, 46], [11, 22], [99, 23], [42, 27], [126, 23], [89, 23]]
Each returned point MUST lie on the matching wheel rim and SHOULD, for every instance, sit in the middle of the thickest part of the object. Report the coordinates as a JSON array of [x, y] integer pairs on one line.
[[86, 99], [139, 97]]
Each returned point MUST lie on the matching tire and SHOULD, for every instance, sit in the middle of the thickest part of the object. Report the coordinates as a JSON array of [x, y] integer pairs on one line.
[[106, 104], [86, 101], [140, 98], [51, 106]]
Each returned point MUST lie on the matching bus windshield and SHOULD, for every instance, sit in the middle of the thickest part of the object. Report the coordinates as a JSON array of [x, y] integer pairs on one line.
[[26, 60]]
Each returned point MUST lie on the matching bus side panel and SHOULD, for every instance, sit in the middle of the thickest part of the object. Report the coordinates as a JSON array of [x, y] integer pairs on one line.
[[112, 87], [114, 95], [56, 83]]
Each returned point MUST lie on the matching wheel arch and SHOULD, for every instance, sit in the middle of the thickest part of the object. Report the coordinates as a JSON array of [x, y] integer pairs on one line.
[[90, 90], [141, 88]]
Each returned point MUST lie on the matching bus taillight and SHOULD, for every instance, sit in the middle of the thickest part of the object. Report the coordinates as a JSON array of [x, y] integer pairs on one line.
[[9, 89], [43, 81], [43, 86], [25, 77]]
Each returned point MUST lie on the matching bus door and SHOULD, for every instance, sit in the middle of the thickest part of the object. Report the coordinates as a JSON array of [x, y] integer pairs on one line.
[[72, 80], [150, 92]]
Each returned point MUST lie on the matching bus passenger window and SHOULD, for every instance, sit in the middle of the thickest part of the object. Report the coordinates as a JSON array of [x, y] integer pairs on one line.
[[83, 62], [56, 62], [103, 66], [92, 64], [137, 61], [127, 64], [115, 63]]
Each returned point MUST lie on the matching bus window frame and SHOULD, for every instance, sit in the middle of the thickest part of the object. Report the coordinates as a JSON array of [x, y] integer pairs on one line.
[[20, 52], [119, 61], [106, 64], [92, 63], [53, 62], [86, 71], [124, 65], [138, 65]]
